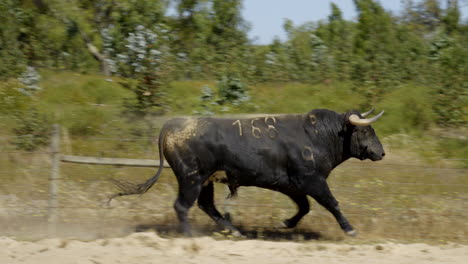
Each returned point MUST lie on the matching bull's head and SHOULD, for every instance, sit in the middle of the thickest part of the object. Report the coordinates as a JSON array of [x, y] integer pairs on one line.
[[363, 142]]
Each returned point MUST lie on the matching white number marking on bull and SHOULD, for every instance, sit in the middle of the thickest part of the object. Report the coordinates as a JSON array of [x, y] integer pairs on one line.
[[270, 117], [270, 121], [255, 129], [271, 127], [313, 119], [307, 153], [238, 122]]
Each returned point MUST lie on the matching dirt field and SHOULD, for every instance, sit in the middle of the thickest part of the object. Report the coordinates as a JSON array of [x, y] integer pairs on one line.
[[150, 248], [404, 211]]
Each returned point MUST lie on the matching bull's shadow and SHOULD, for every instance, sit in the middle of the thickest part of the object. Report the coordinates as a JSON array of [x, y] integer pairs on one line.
[[249, 232]]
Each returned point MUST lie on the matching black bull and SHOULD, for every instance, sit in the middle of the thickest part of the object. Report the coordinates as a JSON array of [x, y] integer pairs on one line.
[[291, 154]]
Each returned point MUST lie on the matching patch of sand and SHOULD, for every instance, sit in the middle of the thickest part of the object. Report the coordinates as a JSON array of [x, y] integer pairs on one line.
[[148, 247]]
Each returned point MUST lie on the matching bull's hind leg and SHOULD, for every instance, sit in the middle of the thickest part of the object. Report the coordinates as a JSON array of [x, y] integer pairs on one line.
[[190, 185], [206, 203], [185, 200], [303, 208]]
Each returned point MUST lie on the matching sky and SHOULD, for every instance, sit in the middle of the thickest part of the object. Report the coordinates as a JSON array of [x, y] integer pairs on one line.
[[266, 17]]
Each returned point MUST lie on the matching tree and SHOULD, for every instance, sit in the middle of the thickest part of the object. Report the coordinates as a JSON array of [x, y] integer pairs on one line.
[[297, 52], [147, 61], [426, 13], [451, 17], [228, 36], [320, 59], [375, 47], [338, 37], [12, 57], [191, 29], [448, 79]]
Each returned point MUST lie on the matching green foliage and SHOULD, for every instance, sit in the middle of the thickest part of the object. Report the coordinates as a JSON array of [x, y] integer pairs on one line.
[[375, 45], [407, 110], [408, 107], [454, 148], [207, 40], [12, 54], [320, 59], [12, 100], [147, 61], [207, 102], [87, 121], [84, 104], [32, 130], [210, 39], [72, 89], [449, 62], [232, 89], [451, 17], [300, 98]]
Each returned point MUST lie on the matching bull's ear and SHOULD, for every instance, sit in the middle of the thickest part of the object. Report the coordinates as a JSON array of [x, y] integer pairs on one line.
[[347, 126]]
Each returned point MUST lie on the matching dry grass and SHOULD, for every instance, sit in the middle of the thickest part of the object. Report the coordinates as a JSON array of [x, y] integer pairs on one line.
[[400, 198], [404, 198]]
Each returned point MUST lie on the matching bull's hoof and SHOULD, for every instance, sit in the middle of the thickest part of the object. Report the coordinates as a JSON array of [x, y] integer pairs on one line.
[[286, 224], [230, 233], [228, 217], [237, 234], [282, 225], [351, 233]]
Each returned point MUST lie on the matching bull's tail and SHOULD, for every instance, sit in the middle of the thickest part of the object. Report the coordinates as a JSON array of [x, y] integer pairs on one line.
[[128, 188]]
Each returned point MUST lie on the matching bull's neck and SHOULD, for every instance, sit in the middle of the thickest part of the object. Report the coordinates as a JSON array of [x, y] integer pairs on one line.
[[337, 149], [334, 143]]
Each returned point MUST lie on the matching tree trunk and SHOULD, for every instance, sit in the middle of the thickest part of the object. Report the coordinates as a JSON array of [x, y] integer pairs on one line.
[[97, 55]]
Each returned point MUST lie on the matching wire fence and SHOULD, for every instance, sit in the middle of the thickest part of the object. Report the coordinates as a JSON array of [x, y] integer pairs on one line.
[[393, 192]]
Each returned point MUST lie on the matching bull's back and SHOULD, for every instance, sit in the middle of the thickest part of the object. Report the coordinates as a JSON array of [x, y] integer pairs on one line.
[[235, 142], [256, 145]]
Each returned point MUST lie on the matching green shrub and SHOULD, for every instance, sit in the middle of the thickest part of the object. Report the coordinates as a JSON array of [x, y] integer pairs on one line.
[[207, 101], [72, 88], [87, 121], [408, 109], [32, 130], [232, 89], [454, 148], [11, 99], [100, 91]]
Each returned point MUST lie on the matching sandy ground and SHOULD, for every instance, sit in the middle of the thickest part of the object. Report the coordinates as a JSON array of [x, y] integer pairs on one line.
[[148, 247]]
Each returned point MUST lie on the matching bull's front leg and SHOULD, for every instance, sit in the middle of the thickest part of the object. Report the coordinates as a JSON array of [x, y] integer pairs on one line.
[[320, 191]]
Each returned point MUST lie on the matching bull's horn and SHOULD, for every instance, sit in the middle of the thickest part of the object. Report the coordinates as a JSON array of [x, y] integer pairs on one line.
[[368, 112], [355, 120]]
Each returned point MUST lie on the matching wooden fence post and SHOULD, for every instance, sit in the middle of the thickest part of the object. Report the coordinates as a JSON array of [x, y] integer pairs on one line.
[[53, 180]]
